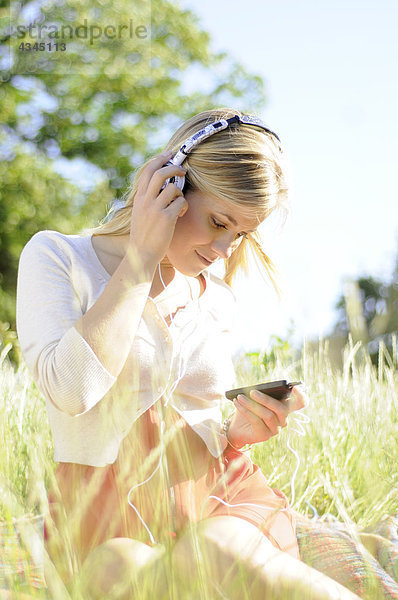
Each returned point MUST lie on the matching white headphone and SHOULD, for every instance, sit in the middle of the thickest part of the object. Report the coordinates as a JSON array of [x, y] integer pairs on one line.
[[206, 132]]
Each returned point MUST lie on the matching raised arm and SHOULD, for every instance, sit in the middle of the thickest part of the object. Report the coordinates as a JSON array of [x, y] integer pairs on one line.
[[75, 358], [110, 325]]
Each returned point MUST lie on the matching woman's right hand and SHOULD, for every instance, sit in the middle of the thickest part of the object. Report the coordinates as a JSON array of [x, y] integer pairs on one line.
[[154, 214]]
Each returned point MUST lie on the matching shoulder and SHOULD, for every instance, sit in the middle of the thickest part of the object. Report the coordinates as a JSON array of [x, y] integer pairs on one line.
[[51, 244], [50, 238]]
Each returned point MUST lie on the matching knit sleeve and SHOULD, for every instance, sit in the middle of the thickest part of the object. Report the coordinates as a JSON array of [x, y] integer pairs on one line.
[[65, 368]]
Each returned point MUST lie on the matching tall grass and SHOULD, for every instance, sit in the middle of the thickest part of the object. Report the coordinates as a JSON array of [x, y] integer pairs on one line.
[[347, 451]]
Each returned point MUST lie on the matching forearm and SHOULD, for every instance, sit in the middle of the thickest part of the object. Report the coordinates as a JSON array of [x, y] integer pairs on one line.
[[110, 325]]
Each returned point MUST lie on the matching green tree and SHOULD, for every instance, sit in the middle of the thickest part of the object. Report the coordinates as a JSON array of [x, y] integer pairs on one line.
[[378, 306], [108, 104]]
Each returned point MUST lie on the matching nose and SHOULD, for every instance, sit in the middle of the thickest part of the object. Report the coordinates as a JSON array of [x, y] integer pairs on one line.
[[223, 246]]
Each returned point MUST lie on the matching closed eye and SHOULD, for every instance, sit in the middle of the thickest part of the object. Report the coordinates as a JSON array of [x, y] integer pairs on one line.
[[221, 225]]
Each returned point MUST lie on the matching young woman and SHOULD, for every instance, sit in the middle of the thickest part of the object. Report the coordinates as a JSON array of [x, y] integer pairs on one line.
[[126, 333]]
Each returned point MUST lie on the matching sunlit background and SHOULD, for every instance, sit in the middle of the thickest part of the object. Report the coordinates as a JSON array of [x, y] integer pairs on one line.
[[75, 126], [330, 70]]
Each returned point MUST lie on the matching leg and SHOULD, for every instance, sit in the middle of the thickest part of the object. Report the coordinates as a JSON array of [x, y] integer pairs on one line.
[[242, 562], [123, 568]]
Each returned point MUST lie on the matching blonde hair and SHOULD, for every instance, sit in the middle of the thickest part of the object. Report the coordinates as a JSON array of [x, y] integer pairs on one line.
[[241, 165]]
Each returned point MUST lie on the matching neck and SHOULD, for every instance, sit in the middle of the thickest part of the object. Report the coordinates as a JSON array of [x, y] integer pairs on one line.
[[166, 264]]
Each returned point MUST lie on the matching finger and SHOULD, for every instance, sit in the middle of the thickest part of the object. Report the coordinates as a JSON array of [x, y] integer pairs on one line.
[[280, 408], [173, 201], [170, 193], [262, 414], [298, 400], [265, 399], [154, 164], [159, 177], [253, 420]]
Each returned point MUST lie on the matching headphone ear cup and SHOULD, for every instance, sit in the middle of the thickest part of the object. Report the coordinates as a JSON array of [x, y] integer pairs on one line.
[[178, 181]]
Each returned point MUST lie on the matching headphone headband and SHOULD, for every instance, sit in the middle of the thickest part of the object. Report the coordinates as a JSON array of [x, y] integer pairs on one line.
[[205, 133], [199, 137], [254, 122]]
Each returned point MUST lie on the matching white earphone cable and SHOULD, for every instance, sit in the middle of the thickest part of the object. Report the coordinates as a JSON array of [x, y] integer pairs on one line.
[[168, 395]]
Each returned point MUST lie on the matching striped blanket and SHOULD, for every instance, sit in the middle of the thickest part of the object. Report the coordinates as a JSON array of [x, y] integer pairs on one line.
[[365, 561]]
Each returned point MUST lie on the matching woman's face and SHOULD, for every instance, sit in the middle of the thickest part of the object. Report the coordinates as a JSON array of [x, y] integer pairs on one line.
[[210, 229]]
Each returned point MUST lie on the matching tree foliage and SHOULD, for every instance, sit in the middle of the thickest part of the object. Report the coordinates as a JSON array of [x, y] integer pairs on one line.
[[379, 311], [106, 105]]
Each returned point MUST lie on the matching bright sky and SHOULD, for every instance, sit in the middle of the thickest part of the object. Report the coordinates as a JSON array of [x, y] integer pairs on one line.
[[330, 70]]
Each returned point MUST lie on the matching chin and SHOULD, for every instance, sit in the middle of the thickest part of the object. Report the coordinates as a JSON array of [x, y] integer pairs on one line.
[[188, 267], [189, 272]]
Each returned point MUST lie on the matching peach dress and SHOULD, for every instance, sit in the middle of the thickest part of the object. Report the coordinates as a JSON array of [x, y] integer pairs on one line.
[[89, 505]]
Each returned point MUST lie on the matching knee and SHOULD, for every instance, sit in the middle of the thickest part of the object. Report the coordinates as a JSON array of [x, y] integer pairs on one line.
[[115, 568], [220, 542], [233, 534]]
